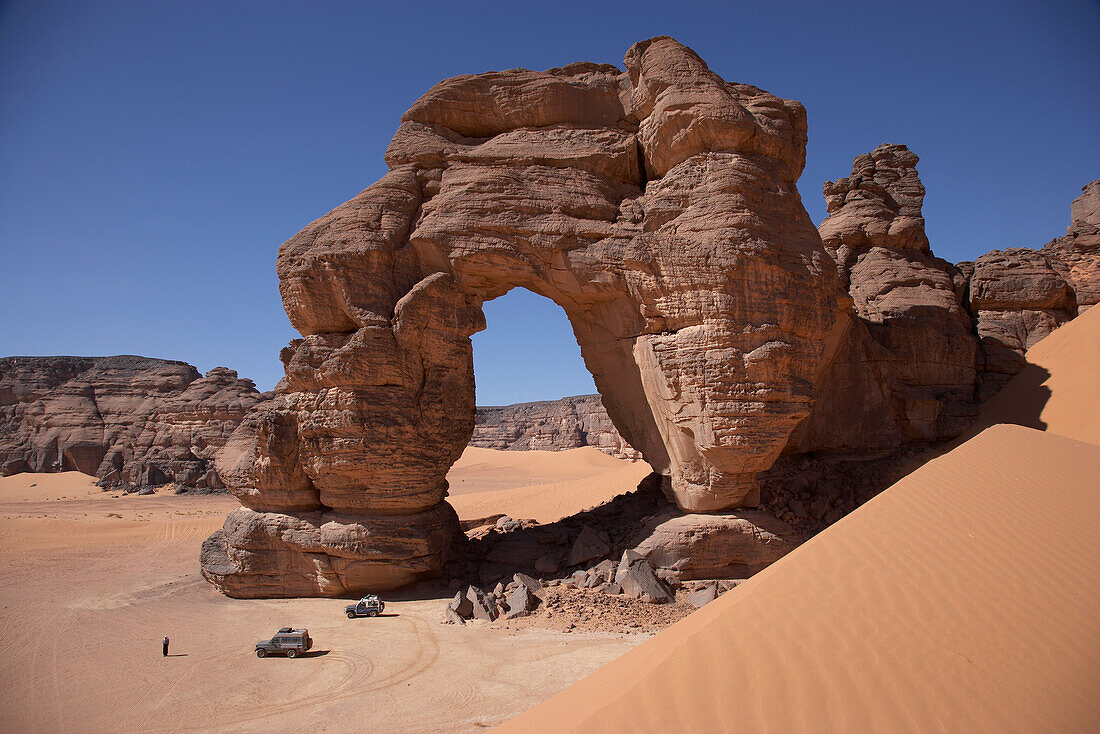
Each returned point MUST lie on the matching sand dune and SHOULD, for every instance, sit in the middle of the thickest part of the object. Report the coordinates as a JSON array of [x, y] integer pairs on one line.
[[540, 485], [487, 470], [964, 598], [1059, 390], [44, 487]]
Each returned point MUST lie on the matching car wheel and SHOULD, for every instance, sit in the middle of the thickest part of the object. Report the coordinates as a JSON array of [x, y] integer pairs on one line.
[[372, 613], [351, 615], [292, 653], [261, 653]]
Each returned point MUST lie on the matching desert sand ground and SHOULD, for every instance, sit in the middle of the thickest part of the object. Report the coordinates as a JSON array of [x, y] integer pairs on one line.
[[540, 485], [90, 583]]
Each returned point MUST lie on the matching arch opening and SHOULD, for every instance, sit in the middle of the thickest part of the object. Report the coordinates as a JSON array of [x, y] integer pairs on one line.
[[543, 446]]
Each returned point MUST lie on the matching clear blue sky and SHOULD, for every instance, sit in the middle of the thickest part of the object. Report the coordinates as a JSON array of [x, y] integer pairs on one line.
[[153, 155]]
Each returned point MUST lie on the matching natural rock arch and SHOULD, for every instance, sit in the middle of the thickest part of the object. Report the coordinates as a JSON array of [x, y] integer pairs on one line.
[[657, 207]]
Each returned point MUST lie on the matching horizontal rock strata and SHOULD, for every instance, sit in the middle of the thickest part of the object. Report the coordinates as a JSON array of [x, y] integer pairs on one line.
[[134, 422], [550, 425]]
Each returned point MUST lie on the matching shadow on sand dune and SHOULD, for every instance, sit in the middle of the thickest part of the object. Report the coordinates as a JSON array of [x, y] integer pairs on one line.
[[1020, 402]]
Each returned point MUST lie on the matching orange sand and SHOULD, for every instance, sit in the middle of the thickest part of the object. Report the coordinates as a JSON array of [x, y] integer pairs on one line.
[[540, 485], [966, 598], [90, 581]]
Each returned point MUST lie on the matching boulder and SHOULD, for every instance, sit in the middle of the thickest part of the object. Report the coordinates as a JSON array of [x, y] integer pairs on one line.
[[703, 595], [461, 606], [733, 544], [520, 601], [522, 579], [636, 578], [483, 606], [588, 545]]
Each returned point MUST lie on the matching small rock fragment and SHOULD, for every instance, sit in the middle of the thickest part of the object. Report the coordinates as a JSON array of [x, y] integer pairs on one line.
[[637, 579]]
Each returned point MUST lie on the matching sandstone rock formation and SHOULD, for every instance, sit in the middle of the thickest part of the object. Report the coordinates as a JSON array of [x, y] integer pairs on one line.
[[550, 425], [906, 366], [131, 421], [1077, 255], [927, 341], [730, 545], [1019, 295], [1017, 298], [657, 207]]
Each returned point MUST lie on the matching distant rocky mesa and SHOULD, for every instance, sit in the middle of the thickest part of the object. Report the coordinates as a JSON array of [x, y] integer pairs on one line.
[[133, 422], [551, 425]]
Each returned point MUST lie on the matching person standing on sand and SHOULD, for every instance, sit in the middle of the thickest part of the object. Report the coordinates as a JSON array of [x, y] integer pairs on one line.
[[165, 651]]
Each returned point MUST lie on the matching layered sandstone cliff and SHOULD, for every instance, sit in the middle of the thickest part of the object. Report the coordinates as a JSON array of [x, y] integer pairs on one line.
[[927, 340], [1019, 295], [131, 421], [656, 206], [550, 425], [906, 366]]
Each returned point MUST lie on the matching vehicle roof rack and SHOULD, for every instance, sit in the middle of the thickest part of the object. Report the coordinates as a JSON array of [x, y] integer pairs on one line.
[[283, 630]]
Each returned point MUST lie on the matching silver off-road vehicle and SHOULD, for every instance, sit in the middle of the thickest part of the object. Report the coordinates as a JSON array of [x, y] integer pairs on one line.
[[287, 641], [369, 606]]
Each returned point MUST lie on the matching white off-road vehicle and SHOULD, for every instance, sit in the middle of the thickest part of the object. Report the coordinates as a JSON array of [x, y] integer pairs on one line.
[[369, 606]]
